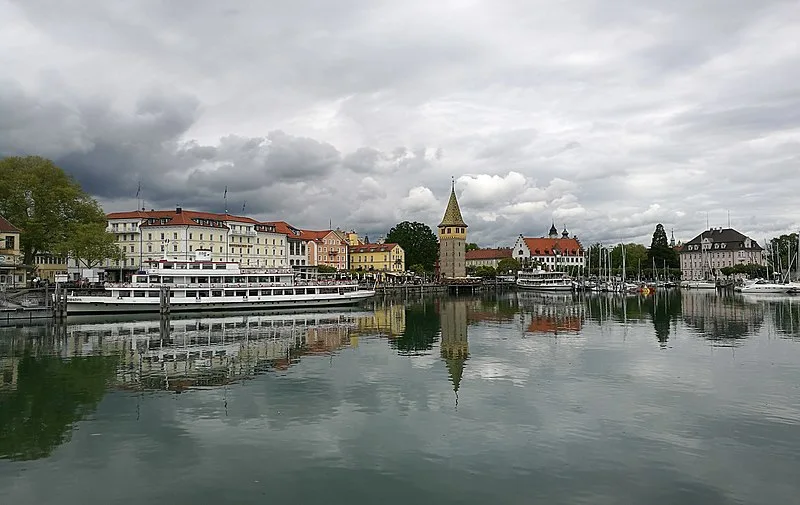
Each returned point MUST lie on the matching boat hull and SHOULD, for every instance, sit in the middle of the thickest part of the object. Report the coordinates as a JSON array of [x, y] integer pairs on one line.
[[545, 288], [108, 305]]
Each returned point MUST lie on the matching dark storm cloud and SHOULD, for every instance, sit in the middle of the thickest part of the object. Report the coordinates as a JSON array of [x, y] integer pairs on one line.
[[612, 116]]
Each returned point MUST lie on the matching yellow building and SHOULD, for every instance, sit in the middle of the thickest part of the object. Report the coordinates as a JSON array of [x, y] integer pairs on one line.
[[48, 266], [12, 272], [352, 239], [378, 257]]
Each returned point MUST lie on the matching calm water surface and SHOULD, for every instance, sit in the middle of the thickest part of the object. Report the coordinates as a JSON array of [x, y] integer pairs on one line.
[[521, 398]]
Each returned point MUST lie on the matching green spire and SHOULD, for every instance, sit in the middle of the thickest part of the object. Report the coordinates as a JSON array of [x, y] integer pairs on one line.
[[452, 215]]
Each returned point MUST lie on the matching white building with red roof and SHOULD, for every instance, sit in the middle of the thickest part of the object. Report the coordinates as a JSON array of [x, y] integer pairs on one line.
[[553, 252], [487, 257]]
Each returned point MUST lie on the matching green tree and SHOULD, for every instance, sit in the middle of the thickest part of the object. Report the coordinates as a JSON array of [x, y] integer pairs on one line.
[[91, 244], [778, 253], [326, 269], [635, 254], [418, 241], [661, 251], [472, 246], [45, 203], [485, 271], [508, 265]]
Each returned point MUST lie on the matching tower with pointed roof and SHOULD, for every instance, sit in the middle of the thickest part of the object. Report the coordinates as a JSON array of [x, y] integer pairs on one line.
[[454, 345], [553, 231], [452, 240]]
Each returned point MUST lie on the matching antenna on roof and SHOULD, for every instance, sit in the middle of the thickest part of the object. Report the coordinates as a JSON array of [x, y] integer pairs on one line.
[[225, 197], [707, 227], [729, 219], [243, 205]]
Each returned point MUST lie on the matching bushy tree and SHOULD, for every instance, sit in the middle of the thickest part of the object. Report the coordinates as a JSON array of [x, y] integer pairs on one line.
[[44, 202], [661, 251], [508, 265], [418, 241]]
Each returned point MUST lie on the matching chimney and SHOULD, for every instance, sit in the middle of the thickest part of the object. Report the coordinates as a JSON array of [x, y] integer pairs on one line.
[[178, 210]]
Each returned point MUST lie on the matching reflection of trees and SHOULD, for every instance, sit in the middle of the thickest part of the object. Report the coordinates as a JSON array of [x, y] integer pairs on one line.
[[665, 309], [421, 328], [50, 396], [720, 317]]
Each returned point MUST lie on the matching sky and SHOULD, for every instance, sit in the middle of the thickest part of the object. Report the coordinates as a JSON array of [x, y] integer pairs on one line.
[[602, 117]]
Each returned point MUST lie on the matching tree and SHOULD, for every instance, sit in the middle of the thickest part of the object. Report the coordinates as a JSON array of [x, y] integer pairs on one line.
[[44, 202], [635, 254], [485, 271], [417, 268], [508, 265], [778, 253], [472, 246], [326, 269], [661, 251], [91, 244], [418, 241]]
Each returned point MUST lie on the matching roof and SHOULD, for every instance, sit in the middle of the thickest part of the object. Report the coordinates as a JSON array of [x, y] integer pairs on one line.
[[452, 215], [544, 246], [734, 239], [7, 227], [286, 229], [489, 254], [369, 248], [319, 235], [187, 214]]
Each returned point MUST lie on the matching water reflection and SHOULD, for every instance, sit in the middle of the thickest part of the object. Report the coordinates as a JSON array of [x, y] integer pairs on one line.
[[455, 343], [725, 319]]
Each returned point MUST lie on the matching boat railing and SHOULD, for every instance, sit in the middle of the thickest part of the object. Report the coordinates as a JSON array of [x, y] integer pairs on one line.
[[126, 285]]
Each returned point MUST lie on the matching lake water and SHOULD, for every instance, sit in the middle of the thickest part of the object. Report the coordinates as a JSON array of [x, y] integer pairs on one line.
[[680, 398]]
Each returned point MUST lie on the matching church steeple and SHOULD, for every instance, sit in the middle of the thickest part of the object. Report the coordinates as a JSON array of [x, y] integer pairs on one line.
[[553, 231], [452, 215]]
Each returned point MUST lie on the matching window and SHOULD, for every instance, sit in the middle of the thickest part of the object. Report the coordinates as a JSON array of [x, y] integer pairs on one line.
[[175, 236], [162, 236], [149, 236], [10, 242], [190, 236], [149, 248], [201, 236], [131, 248], [175, 247]]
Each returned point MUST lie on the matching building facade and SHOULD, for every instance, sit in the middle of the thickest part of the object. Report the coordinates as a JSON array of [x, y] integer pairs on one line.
[[327, 248], [152, 235], [487, 257], [551, 252], [452, 240], [384, 257], [12, 271], [703, 256], [296, 243]]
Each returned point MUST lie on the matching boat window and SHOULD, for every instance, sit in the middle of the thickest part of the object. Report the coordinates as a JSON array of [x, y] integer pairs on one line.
[[228, 280], [253, 292], [208, 266], [202, 293], [138, 294], [202, 280], [216, 293], [241, 293], [191, 294], [124, 294], [181, 266], [215, 280], [153, 294], [221, 267], [194, 266], [167, 280], [168, 266]]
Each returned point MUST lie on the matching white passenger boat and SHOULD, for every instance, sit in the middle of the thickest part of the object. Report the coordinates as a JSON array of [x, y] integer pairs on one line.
[[541, 280], [205, 285], [765, 287]]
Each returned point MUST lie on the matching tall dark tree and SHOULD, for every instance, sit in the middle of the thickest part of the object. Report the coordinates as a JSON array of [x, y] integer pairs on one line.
[[418, 241], [45, 203], [661, 251]]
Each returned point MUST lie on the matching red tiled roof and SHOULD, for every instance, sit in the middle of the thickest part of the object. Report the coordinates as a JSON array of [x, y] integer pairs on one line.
[[545, 246], [319, 235], [185, 217], [372, 248], [7, 227], [285, 228], [488, 254]]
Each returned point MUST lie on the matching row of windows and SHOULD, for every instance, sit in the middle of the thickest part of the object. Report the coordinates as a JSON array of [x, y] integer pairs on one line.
[[131, 238]]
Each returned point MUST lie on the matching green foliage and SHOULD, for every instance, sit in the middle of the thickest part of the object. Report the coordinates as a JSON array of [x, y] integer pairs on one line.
[[472, 246], [45, 203], [778, 253], [51, 396], [661, 251], [417, 268], [91, 244], [635, 255], [508, 265], [326, 269], [485, 271], [421, 329], [750, 270], [418, 241]]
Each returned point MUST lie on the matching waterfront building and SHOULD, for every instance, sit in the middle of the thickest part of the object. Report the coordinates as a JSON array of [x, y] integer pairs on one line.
[[452, 240], [327, 247], [703, 256], [551, 252], [297, 243], [12, 271], [48, 266], [487, 257], [151, 235], [386, 257]]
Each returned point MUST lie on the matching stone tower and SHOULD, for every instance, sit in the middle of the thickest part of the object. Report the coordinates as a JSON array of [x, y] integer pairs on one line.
[[452, 240]]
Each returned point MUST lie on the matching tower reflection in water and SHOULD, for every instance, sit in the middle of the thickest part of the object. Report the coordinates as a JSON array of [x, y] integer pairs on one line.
[[454, 345]]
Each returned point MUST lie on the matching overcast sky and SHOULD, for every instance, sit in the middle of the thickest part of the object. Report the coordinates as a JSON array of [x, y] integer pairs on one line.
[[606, 116]]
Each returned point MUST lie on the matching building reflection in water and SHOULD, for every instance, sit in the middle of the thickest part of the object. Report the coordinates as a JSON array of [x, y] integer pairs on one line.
[[550, 314], [784, 310], [722, 318]]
